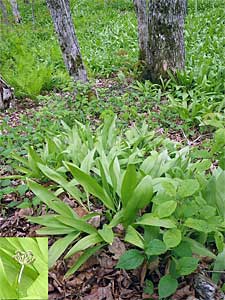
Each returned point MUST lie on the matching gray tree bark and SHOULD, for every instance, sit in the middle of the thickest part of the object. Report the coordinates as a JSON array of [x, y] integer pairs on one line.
[[61, 16], [142, 18], [15, 11], [4, 12], [165, 38], [6, 94]]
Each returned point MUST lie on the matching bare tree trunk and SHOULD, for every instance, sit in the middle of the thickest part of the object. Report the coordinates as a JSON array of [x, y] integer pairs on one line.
[[15, 11], [6, 94], [62, 19], [165, 38], [4, 12], [143, 37]]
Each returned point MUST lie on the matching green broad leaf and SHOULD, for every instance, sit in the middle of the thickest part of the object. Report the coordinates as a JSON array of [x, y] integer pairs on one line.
[[6, 291], [117, 219], [202, 165], [219, 239], [188, 188], [199, 225], [106, 233], [103, 175], [149, 287], [43, 245], [50, 199], [148, 164], [130, 260], [166, 209], [33, 160], [182, 250], [219, 266], [66, 185], [144, 192], [155, 247], [55, 231], [77, 224], [198, 248], [151, 220], [108, 131], [134, 237], [207, 211], [167, 286], [57, 249], [22, 160], [219, 140], [84, 243], [22, 189], [129, 183], [87, 162], [187, 265], [114, 172], [48, 220], [91, 185], [141, 197], [220, 192], [39, 288], [172, 237], [82, 259]]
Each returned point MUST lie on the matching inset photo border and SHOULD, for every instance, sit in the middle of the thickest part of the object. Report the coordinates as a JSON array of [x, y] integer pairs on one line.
[[23, 268]]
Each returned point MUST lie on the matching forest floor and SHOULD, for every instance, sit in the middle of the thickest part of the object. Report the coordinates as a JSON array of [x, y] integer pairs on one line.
[[97, 279]]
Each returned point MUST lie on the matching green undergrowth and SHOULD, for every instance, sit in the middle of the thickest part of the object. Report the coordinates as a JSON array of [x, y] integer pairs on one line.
[[169, 201], [107, 32], [76, 145]]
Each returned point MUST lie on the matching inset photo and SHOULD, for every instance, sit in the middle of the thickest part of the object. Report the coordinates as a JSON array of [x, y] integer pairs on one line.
[[23, 268]]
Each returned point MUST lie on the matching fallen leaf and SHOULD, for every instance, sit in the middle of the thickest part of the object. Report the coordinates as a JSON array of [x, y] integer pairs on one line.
[[117, 248]]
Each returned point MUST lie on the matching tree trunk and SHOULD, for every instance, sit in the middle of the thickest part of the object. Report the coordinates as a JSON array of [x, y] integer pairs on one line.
[[4, 12], [61, 16], [33, 14], [142, 17], [165, 38], [15, 11], [6, 94]]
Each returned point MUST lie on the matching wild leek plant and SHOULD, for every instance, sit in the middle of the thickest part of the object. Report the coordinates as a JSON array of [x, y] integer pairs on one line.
[[23, 258], [24, 268]]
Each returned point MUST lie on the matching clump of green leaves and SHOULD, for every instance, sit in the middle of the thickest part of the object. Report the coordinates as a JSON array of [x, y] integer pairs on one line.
[[165, 201]]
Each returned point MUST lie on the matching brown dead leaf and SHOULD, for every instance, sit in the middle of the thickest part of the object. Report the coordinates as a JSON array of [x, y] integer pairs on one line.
[[95, 221], [100, 293], [81, 211], [23, 212], [106, 261], [75, 282], [154, 265], [117, 248], [92, 261], [143, 274], [183, 293], [71, 261]]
